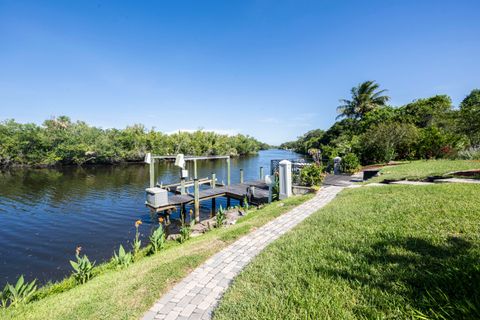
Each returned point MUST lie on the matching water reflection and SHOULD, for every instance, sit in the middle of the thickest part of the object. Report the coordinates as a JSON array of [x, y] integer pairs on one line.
[[46, 213]]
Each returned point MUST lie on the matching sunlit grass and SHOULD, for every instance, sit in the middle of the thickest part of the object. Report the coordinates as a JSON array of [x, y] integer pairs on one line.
[[392, 252], [422, 169]]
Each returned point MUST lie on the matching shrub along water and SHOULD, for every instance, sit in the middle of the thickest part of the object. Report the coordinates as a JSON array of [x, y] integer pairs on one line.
[[61, 141], [376, 132]]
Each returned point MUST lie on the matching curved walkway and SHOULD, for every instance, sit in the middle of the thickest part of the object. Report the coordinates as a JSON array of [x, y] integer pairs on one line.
[[197, 295]]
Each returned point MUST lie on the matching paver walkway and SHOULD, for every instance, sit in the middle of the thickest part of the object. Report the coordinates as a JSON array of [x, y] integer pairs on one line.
[[197, 295]]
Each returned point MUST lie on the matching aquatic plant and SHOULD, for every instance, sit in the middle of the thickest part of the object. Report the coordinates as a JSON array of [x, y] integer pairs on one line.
[[137, 243], [157, 239], [220, 217], [123, 259], [22, 292], [82, 268], [4, 295], [245, 204]]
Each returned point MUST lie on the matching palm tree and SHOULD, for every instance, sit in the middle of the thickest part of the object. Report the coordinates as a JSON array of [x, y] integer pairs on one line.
[[365, 98]]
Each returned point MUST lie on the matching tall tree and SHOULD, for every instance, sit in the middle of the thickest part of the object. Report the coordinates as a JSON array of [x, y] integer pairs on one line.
[[365, 97], [470, 116]]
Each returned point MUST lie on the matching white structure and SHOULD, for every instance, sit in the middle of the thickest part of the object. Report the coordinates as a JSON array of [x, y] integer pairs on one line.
[[180, 160], [157, 197], [336, 165], [285, 177]]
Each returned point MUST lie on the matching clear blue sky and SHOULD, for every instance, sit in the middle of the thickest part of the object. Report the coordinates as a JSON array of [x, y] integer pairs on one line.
[[271, 69]]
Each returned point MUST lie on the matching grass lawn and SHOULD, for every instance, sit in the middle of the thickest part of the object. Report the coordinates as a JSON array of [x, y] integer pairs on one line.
[[129, 293], [418, 170], [391, 252]]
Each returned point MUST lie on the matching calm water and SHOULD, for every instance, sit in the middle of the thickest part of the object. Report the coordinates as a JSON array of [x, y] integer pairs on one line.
[[46, 213]]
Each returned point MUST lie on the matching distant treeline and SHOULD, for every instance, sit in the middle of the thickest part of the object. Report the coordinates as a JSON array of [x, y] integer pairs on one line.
[[376, 132], [60, 141]]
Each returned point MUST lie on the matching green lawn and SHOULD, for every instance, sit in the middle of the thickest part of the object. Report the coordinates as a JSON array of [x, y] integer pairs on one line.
[[129, 293], [392, 252], [418, 170]]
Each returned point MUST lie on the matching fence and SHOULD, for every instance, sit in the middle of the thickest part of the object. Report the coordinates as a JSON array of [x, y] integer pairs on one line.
[[297, 165]]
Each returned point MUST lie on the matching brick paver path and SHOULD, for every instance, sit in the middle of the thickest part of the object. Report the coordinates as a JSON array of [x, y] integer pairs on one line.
[[196, 296]]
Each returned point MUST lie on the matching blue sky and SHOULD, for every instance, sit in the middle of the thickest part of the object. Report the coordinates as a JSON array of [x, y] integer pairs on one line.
[[271, 69]]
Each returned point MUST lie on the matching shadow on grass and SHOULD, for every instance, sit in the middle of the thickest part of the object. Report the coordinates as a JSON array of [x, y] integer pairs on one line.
[[439, 281]]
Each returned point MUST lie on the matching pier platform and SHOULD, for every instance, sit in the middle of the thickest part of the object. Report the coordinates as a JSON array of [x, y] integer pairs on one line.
[[235, 191]]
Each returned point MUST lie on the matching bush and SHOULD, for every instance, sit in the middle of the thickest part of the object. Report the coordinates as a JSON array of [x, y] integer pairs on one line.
[[438, 143], [389, 141], [350, 163], [312, 175], [469, 154]]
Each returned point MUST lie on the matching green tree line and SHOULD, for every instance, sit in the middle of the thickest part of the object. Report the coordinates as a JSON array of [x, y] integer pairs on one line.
[[375, 132], [60, 141]]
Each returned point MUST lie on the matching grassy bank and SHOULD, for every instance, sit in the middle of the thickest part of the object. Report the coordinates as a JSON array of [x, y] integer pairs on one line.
[[392, 252], [128, 293], [422, 169]]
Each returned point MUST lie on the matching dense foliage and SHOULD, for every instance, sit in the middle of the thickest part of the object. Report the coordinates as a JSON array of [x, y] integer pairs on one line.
[[427, 128], [312, 175], [61, 141]]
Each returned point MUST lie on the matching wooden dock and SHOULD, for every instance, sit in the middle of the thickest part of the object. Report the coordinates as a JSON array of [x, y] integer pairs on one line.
[[235, 191]]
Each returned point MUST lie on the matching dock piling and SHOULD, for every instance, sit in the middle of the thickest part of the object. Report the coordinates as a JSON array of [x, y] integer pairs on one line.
[[213, 207], [182, 186], [261, 173], [152, 173], [197, 200], [241, 175], [228, 171], [195, 169], [214, 181]]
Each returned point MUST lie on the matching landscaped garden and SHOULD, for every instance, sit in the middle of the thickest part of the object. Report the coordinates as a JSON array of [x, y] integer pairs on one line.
[[385, 252]]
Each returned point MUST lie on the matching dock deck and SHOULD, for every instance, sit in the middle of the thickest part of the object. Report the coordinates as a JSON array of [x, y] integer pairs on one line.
[[235, 191]]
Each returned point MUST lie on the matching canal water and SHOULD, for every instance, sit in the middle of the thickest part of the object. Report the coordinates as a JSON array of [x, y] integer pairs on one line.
[[46, 213]]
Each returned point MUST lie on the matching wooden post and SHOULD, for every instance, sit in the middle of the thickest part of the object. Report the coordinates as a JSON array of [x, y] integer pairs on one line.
[[183, 212], [182, 186], [228, 202], [241, 175], [196, 200], [152, 173], [214, 181], [213, 206], [261, 173], [195, 169], [228, 171]]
